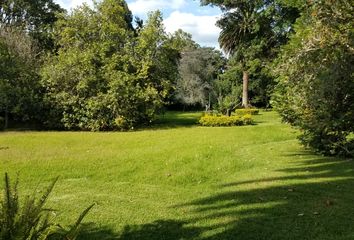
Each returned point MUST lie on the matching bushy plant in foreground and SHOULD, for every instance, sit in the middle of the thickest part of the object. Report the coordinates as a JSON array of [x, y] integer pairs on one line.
[[31, 220], [245, 111], [220, 121]]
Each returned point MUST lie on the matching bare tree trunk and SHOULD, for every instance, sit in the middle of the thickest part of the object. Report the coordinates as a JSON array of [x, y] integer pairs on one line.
[[245, 79]]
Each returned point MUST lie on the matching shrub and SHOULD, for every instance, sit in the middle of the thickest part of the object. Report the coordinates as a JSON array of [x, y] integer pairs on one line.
[[315, 84], [245, 111], [247, 119], [219, 121], [31, 220]]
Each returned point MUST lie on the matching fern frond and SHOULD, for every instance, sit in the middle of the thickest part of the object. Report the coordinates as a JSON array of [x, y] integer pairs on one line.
[[74, 230]]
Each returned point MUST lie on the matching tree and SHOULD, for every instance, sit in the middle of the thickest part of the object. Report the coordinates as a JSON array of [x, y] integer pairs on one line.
[[20, 94], [228, 86], [315, 90], [25, 30], [34, 17], [80, 78], [198, 69], [106, 75], [182, 41], [252, 30]]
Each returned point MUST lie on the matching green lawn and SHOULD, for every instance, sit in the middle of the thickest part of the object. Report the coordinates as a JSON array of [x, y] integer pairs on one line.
[[181, 181]]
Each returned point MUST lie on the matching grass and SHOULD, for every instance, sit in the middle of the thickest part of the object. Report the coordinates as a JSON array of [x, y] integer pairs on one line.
[[182, 181]]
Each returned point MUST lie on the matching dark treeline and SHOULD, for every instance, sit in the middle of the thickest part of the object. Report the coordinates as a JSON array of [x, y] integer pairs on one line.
[[99, 69]]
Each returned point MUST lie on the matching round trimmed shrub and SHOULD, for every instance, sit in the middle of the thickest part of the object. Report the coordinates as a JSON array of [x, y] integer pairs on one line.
[[225, 121]]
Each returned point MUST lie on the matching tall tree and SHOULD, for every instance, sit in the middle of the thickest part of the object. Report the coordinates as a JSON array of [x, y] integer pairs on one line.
[[106, 75], [253, 30], [198, 69], [91, 57], [182, 41], [34, 17], [25, 30], [19, 80]]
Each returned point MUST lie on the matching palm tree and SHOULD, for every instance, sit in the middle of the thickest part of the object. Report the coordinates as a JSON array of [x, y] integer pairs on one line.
[[235, 39], [253, 30]]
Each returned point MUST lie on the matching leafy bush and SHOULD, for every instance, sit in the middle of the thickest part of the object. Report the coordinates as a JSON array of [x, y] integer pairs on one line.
[[219, 121], [247, 119], [108, 78], [31, 220], [245, 111], [315, 78]]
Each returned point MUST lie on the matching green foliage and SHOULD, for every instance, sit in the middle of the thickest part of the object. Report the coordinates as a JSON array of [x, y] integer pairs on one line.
[[105, 71], [252, 32], [198, 70], [73, 232], [33, 17], [315, 75], [228, 86], [228, 90], [183, 41], [32, 220], [20, 90], [246, 111], [26, 29], [253, 29], [225, 121]]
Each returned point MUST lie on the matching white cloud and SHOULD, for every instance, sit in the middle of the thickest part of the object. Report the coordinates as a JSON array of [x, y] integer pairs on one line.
[[203, 28], [144, 6], [70, 4]]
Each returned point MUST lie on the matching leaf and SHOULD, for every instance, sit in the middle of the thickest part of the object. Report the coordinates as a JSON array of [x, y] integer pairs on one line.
[[74, 231]]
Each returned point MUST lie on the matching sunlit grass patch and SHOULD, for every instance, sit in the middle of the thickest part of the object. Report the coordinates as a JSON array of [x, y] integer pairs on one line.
[[178, 180]]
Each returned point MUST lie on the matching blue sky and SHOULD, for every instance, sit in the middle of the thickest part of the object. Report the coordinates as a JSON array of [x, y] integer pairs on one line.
[[187, 15]]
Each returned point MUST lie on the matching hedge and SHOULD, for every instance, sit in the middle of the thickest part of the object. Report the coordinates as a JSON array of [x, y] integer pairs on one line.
[[245, 111], [220, 121]]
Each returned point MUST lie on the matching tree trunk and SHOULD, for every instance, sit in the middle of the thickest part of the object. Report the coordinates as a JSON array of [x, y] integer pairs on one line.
[[6, 119], [245, 79]]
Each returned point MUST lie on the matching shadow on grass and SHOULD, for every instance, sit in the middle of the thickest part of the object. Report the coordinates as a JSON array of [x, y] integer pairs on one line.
[[175, 120], [313, 199], [90, 231], [158, 230]]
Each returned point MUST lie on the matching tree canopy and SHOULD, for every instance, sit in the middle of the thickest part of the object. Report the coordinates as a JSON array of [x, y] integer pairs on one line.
[[253, 31], [35, 17], [107, 77]]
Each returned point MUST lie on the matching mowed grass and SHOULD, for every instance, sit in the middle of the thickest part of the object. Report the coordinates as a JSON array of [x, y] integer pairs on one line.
[[182, 181]]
